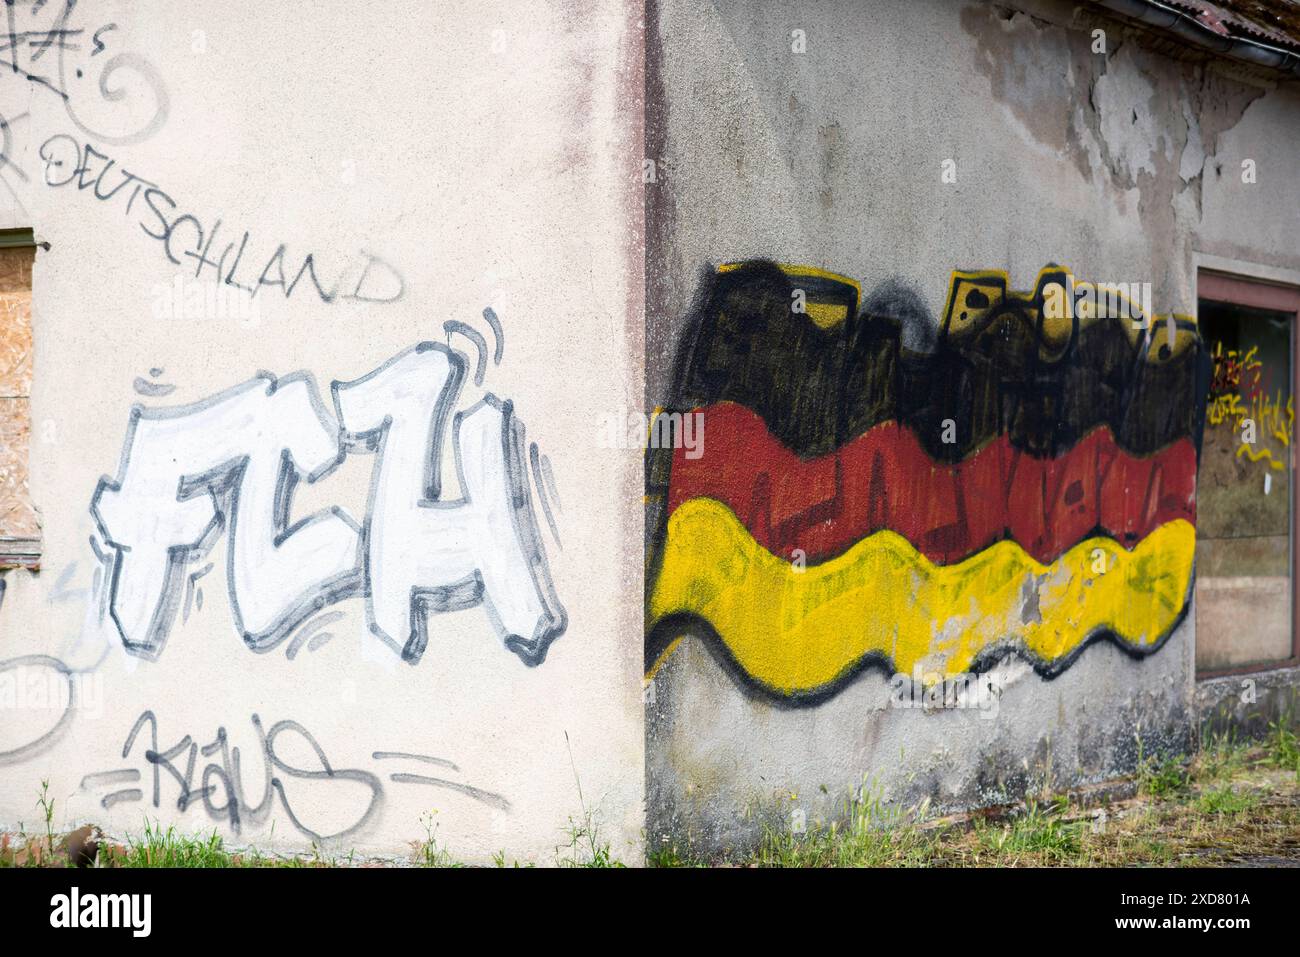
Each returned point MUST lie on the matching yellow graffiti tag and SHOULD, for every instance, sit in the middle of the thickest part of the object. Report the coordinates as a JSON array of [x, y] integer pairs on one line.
[[797, 630], [1254, 456], [1167, 336], [1266, 412], [1226, 395], [823, 314]]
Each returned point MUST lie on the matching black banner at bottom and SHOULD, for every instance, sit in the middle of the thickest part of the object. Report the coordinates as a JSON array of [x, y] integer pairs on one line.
[[390, 905]]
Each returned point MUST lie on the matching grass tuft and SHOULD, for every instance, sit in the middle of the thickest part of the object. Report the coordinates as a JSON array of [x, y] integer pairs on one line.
[[873, 834], [585, 847], [1039, 835], [1283, 744], [1224, 800], [428, 853], [160, 848], [1162, 779]]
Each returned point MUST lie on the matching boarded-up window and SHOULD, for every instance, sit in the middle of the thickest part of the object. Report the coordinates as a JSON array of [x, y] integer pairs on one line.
[[1244, 496], [20, 531]]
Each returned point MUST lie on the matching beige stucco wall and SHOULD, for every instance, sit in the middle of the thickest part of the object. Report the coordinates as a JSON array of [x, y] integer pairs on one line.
[[488, 154]]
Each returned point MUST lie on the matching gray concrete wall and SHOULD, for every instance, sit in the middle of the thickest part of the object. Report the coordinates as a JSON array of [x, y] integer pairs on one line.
[[1247, 706], [472, 155], [1123, 165]]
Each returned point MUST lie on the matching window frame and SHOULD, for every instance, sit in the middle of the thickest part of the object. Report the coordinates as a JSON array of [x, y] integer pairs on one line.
[[1239, 290], [20, 552]]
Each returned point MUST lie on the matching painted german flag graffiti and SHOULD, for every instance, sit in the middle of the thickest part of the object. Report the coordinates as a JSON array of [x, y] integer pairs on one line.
[[885, 480], [877, 487], [798, 631]]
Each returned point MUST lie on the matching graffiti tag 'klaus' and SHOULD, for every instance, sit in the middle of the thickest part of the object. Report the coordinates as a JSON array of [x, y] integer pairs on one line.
[[229, 465]]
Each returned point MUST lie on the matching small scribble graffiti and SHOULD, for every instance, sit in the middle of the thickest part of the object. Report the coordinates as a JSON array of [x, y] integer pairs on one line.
[[1238, 397], [183, 238], [41, 695], [216, 785], [115, 97], [17, 677], [881, 489], [228, 466], [109, 92]]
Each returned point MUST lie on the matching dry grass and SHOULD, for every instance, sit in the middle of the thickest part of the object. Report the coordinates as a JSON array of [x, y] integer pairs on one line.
[[1231, 806]]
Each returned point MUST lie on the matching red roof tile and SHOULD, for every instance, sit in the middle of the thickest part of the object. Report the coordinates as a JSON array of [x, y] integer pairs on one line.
[[1275, 22]]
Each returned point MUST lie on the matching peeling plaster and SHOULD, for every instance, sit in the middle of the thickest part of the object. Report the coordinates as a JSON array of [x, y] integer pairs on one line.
[[1126, 102], [1193, 159], [1137, 125]]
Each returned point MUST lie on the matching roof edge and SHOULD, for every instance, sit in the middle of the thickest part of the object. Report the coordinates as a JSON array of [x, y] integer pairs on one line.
[[1155, 14]]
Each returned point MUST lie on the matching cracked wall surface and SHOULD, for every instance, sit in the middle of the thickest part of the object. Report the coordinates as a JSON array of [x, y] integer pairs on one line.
[[1124, 164]]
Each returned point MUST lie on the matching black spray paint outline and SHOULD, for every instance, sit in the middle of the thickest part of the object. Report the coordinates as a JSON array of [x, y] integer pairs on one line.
[[224, 481], [114, 65], [228, 773], [50, 737], [490, 798], [222, 484], [312, 634], [539, 481], [468, 592]]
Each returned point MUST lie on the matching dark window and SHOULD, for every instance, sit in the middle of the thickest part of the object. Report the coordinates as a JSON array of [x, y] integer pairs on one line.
[[1245, 508]]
